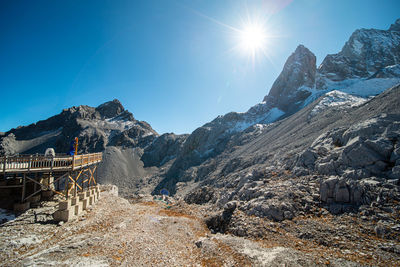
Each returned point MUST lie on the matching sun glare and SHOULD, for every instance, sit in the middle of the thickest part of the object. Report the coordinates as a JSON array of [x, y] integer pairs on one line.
[[253, 38]]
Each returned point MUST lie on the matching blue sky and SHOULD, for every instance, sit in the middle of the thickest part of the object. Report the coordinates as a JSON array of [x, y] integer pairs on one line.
[[171, 63]]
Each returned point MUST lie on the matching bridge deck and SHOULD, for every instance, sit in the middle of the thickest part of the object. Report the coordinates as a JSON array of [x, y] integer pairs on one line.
[[41, 163]]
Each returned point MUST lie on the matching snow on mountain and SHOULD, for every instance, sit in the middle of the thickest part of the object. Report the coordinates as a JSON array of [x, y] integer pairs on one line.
[[337, 99], [370, 87], [256, 115]]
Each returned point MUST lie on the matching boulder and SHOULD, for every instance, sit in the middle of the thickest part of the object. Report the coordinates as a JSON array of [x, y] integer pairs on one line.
[[342, 192], [327, 188]]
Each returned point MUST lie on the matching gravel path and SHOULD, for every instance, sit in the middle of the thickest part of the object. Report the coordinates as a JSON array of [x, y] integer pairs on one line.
[[118, 232], [139, 232]]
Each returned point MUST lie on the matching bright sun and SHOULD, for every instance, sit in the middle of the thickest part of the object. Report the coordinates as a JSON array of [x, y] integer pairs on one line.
[[253, 38]]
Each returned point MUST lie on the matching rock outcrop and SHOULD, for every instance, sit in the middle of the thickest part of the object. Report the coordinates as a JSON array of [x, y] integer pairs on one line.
[[290, 88], [368, 148], [366, 52]]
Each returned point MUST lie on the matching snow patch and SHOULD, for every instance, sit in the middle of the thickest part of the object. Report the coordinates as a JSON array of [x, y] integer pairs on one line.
[[370, 87], [256, 115], [357, 46], [337, 99]]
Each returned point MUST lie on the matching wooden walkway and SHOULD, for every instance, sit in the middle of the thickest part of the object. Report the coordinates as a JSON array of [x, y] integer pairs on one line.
[[24, 177], [41, 163]]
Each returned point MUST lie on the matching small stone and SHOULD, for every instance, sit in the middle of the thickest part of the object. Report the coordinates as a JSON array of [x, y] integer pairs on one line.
[[379, 230], [199, 243]]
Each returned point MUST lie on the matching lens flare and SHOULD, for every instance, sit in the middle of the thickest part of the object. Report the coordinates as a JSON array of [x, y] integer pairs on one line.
[[252, 38]]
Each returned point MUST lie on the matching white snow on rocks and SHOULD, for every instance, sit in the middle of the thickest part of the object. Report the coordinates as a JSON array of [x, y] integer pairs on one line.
[[337, 99], [252, 117], [370, 87], [349, 93]]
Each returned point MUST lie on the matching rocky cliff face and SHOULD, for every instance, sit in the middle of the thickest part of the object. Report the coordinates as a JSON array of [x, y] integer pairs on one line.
[[366, 52], [96, 128], [298, 75]]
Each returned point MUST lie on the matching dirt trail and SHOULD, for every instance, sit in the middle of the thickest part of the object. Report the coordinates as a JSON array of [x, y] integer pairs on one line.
[[113, 233], [117, 232]]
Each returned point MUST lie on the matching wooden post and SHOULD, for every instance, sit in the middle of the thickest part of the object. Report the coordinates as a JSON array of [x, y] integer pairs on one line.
[[23, 188], [35, 184], [82, 182], [58, 185], [95, 174], [76, 188], [4, 166], [66, 185]]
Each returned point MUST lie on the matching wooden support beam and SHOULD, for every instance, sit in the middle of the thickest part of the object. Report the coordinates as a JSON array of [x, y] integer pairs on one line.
[[67, 185], [10, 186], [34, 193], [23, 188], [34, 180]]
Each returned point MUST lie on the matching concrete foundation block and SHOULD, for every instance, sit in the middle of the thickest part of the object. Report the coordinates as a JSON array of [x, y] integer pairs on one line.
[[91, 201], [21, 207], [64, 215], [98, 195], [74, 201], [78, 208], [92, 192], [87, 193], [81, 196], [64, 205], [85, 203]]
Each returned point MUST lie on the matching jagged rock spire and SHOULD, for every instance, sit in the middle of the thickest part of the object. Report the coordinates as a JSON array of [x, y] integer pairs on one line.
[[299, 70]]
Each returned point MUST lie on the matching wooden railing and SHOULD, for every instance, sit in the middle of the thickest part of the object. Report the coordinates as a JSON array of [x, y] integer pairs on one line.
[[32, 163], [80, 161]]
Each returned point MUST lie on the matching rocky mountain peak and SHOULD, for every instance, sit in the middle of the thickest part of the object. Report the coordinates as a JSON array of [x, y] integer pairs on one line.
[[110, 109], [395, 26], [366, 52], [298, 71]]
